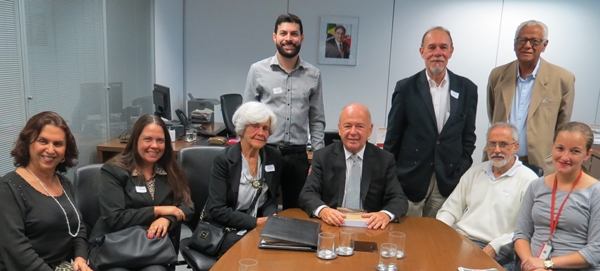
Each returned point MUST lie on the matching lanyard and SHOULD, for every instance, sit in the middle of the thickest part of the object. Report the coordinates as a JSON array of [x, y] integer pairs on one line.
[[554, 221]]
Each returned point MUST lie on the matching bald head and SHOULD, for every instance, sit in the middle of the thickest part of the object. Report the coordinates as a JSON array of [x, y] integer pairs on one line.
[[355, 127]]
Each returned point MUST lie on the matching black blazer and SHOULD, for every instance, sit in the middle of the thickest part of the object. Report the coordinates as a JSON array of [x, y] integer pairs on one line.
[[379, 188], [225, 182], [122, 207], [413, 138]]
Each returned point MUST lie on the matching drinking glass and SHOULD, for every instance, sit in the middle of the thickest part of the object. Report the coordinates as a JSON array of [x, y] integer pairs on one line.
[[248, 265], [326, 246], [191, 134], [398, 238], [387, 257], [346, 243]]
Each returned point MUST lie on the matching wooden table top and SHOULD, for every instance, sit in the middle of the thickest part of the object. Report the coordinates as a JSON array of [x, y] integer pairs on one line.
[[430, 245]]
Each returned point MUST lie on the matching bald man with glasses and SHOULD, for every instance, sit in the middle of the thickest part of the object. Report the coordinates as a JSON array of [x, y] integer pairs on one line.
[[534, 95]]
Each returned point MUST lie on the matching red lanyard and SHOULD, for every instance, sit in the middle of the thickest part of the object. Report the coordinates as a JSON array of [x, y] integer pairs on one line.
[[554, 221]]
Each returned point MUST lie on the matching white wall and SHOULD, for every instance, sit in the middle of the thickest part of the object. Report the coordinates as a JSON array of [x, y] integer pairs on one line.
[[168, 49], [223, 39]]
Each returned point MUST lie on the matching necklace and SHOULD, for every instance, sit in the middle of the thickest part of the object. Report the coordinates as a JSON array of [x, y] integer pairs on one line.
[[63, 209]]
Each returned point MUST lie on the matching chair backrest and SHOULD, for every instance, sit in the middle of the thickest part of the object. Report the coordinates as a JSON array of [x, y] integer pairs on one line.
[[85, 182], [197, 162], [230, 103], [330, 137], [537, 170]]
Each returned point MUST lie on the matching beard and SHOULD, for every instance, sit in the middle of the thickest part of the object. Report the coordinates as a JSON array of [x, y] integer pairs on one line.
[[285, 54], [498, 163]]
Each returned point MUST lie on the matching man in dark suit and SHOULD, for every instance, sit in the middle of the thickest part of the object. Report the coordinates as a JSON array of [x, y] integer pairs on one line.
[[337, 47], [431, 127], [353, 174]]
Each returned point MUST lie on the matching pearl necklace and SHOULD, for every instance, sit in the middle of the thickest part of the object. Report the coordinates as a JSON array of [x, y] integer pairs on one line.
[[63, 209]]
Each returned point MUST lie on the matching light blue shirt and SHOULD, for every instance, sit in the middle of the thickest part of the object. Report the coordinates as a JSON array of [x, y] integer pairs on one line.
[[520, 107]]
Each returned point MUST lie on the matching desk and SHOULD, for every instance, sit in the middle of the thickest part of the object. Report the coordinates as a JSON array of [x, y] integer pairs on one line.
[[430, 245], [107, 150]]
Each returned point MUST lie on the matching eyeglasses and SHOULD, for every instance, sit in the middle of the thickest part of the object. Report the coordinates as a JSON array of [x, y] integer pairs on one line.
[[532, 41], [502, 145]]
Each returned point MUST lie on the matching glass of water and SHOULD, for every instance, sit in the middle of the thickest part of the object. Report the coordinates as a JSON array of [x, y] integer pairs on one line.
[[387, 257], [345, 243], [191, 135], [326, 246], [248, 265], [398, 238]]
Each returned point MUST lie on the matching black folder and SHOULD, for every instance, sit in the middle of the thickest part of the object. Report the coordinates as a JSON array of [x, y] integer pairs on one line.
[[290, 233]]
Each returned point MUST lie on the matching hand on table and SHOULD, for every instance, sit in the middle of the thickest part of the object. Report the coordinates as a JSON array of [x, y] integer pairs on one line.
[[332, 217], [377, 220]]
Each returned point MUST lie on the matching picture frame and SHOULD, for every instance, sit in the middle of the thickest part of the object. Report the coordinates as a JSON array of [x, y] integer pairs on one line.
[[338, 40]]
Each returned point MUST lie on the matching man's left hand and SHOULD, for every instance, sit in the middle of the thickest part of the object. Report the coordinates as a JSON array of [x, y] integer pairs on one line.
[[489, 250], [377, 220]]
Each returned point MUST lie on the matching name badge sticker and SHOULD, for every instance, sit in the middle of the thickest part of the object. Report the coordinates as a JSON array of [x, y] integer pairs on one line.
[[141, 189], [277, 90], [269, 168], [454, 94], [504, 192]]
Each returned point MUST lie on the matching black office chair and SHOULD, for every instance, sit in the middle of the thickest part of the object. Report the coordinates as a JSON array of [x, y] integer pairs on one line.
[[537, 170], [330, 137], [230, 103], [197, 162], [85, 182]]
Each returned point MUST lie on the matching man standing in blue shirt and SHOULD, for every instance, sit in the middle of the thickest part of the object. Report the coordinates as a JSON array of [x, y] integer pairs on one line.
[[291, 87], [532, 94]]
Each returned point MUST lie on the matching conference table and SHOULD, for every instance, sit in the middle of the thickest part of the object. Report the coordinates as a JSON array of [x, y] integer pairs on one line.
[[430, 245]]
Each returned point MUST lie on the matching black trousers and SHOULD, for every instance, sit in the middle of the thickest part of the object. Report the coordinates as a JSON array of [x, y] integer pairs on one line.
[[293, 177]]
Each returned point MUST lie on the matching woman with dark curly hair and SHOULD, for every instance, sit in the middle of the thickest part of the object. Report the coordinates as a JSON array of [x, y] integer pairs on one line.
[[40, 227], [144, 186]]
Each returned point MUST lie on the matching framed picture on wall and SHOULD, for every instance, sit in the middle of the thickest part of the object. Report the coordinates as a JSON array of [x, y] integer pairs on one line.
[[338, 40]]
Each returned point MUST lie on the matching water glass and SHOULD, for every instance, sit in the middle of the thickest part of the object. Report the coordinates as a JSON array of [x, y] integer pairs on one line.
[[248, 265], [398, 238], [326, 246], [387, 257], [345, 243], [191, 135]]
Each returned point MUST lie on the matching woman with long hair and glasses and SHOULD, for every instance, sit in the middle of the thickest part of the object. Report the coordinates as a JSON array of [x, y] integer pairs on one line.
[[145, 186]]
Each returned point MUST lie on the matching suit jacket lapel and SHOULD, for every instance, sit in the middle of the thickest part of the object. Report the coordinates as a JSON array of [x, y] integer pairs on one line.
[[267, 175], [365, 180], [160, 189], [424, 90], [539, 88], [339, 167], [454, 87], [508, 85], [235, 168], [140, 180]]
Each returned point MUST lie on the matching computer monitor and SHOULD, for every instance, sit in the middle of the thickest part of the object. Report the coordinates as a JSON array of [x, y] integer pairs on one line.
[[161, 97]]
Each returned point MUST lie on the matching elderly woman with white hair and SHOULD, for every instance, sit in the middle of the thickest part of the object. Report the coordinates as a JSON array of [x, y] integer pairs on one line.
[[244, 187]]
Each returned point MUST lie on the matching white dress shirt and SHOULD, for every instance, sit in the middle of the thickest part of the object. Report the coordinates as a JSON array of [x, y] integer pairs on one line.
[[441, 102]]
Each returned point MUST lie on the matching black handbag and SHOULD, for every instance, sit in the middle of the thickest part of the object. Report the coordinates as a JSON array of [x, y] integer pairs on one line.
[[214, 241], [131, 248]]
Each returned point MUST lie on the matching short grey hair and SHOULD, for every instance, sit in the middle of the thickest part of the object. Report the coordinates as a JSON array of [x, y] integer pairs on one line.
[[437, 28], [253, 113], [532, 23], [515, 132]]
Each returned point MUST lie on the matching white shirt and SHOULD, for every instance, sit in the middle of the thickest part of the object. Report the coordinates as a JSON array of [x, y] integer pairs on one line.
[[485, 209], [246, 192], [441, 102]]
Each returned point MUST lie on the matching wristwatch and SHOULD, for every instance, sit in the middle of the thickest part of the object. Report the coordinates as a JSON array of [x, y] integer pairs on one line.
[[548, 264]]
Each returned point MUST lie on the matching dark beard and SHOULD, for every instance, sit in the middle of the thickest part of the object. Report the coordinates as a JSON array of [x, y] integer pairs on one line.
[[288, 55]]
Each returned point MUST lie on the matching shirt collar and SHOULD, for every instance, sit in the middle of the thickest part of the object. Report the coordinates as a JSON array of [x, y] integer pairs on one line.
[[510, 172], [157, 171], [360, 153], [432, 83], [535, 71], [275, 62]]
